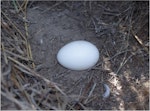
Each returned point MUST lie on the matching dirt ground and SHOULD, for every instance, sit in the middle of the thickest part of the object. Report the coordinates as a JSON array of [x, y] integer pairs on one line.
[[112, 26]]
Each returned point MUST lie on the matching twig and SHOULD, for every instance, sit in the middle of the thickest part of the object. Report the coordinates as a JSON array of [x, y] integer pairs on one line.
[[85, 91], [113, 14], [22, 105], [43, 97], [29, 53], [95, 26], [16, 55], [14, 2], [106, 9], [14, 26], [19, 7], [22, 5], [22, 89], [129, 31], [26, 28], [33, 73], [7, 72], [90, 5], [139, 41], [123, 63], [80, 94], [31, 57], [33, 101], [75, 85], [84, 108], [90, 93], [137, 38], [23, 70], [118, 54], [5, 57], [52, 7]]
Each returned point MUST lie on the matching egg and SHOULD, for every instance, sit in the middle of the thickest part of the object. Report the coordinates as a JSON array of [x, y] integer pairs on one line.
[[78, 55]]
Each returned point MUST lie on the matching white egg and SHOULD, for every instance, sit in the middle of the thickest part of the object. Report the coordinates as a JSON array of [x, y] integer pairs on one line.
[[78, 55]]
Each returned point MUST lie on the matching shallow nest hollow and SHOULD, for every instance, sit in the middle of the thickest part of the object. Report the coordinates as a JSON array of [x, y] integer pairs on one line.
[[121, 26]]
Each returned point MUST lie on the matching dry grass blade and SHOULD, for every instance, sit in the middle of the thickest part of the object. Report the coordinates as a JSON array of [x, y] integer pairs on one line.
[[23, 70], [16, 55], [90, 93], [14, 26], [14, 2], [22, 105], [52, 6], [7, 72], [27, 96], [119, 54], [21, 6], [5, 57], [140, 41], [29, 53], [33, 73], [124, 62], [33, 101]]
